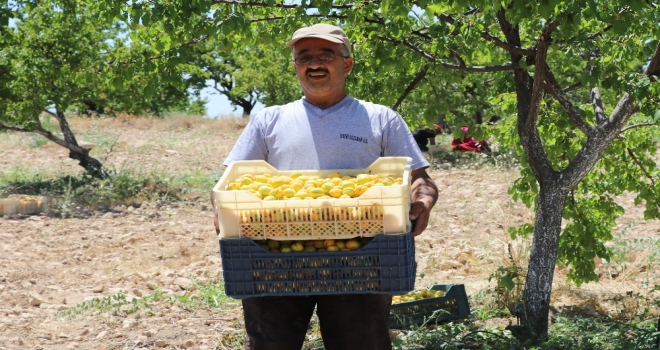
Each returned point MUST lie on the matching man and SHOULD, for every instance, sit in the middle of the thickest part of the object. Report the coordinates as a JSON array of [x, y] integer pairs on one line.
[[327, 129], [425, 135]]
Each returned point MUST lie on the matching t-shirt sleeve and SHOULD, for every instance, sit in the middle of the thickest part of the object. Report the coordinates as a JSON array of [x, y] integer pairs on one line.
[[398, 141], [250, 145]]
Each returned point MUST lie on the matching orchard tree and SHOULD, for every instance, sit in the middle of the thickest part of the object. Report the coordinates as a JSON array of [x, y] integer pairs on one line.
[[576, 83], [57, 56], [246, 76]]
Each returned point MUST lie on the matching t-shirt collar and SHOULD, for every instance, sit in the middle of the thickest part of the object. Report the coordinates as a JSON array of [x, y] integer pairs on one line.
[[316, 111]]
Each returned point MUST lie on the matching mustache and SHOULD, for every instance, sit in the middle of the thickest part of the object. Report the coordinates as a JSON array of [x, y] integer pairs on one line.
[[318, 70]]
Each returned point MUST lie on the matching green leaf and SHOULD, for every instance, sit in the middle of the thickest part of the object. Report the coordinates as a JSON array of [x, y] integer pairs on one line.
[[620, 26], [431, 10], [384, 7], [149, 91], [118, 82], [546, 9], [507, 281], [458, 133]]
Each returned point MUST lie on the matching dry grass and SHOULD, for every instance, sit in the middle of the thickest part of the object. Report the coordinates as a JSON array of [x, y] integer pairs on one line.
[[176, 145]]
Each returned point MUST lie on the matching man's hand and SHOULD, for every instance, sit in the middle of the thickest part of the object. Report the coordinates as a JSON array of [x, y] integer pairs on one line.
[[215, 214], [424, 196]]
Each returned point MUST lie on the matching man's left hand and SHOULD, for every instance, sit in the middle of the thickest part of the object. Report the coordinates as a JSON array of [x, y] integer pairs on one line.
[[424, 196]]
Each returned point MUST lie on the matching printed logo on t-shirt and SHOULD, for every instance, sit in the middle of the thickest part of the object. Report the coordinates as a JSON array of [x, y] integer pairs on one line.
[[354, 138]]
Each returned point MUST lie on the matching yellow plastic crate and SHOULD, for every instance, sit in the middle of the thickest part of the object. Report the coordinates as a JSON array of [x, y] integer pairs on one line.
[[23, 204], [380, 209]]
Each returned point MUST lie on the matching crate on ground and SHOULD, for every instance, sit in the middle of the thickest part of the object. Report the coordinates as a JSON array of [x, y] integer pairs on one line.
[[23, 204], [385, 265], [381, 209], [453, 305]]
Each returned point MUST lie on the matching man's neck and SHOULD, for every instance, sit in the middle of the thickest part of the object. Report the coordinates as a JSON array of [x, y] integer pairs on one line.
[[325, 103]]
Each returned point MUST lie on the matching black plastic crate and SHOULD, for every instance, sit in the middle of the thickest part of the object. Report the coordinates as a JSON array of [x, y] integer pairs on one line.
[[453, 305], [385, 265]]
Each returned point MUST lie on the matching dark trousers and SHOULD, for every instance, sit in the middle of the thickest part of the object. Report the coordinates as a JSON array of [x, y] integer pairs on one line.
[[356, 321]]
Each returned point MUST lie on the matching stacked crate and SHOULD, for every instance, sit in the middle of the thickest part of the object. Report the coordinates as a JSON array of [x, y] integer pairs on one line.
[[385, 265]]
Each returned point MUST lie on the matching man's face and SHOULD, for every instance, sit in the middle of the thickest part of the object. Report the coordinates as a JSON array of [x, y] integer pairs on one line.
[[321, 79]]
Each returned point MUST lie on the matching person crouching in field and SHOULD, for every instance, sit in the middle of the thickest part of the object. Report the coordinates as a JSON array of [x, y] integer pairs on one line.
[[425, 136], [469, 144]]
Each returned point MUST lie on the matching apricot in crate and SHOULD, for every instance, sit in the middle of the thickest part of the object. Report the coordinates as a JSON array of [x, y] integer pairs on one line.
[[255, 200]]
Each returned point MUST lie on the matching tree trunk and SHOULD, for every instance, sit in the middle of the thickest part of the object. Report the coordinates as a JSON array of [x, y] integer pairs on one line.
[[247, 106], [92, 165], [552, 189], [478, 118], [541, 268], [76, 152]]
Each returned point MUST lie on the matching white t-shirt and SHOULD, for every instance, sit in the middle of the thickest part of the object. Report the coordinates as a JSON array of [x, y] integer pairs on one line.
[[351, 134]]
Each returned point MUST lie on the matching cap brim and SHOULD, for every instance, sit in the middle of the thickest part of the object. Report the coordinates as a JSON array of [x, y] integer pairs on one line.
[[292, 42]]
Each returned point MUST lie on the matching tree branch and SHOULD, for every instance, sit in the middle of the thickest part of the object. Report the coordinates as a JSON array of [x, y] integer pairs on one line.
[[596, 145], [422, 34], [507, 46], [461, 61], [620, 115], [639, 165], [572, 87], [566, 104], [434, 59], [51, 113], [654, 65], [565, 90], [69, 137], [638, 126], [38, 130], [481, 69], [540, 73], [527, 131], [595, 35], [418, 77], [265, 19], [572, 112], [510, 32], [597, 102], [49, 135], [14, 128], [265, 4]]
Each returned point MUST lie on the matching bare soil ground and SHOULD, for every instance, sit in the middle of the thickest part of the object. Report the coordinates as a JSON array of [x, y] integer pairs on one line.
[[49, 263]]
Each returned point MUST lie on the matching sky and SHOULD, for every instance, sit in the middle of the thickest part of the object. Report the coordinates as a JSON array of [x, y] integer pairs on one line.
[[218, 105]]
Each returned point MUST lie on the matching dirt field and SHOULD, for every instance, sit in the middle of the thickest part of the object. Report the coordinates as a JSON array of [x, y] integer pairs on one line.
[[50, 264]]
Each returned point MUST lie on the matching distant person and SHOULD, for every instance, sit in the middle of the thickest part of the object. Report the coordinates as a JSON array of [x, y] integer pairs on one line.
[[469, 144], [425, 136]]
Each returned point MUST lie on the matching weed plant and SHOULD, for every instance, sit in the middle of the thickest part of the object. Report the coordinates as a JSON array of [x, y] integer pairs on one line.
[[116, 304], [206, 296], [565, 334], [203, 296]]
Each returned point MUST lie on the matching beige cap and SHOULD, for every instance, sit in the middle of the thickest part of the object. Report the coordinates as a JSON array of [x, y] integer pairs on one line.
[[322, 31]]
